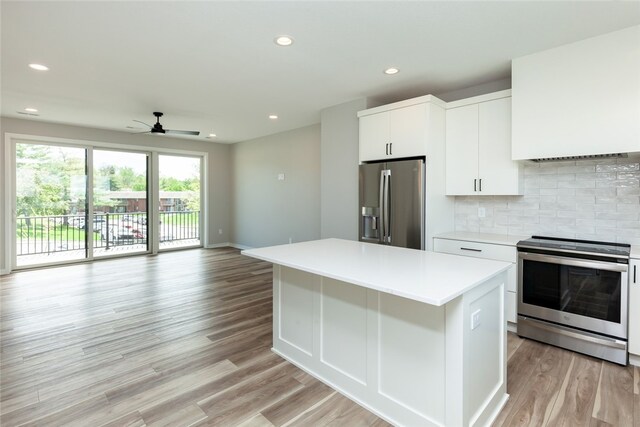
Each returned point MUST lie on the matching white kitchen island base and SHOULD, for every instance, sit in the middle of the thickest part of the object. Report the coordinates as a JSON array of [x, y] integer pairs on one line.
[[411, 362]]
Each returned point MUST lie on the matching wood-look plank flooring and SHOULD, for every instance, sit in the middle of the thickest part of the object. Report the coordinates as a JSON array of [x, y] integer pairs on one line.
[[184, 338]]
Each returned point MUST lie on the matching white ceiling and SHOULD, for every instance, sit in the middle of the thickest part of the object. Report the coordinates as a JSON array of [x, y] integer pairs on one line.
[[213, 66]]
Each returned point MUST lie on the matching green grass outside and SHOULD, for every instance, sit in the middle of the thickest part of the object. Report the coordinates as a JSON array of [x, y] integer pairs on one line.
[[58, 233]]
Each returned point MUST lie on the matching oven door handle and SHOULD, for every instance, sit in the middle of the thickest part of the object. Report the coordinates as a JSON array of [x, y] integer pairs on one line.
[[574, 262]]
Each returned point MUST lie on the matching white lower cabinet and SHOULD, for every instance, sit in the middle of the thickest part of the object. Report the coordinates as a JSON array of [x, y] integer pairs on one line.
[[634, 307], [497, 252]]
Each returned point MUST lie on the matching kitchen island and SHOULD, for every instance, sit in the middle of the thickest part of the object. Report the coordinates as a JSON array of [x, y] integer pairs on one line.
[[419, 338]]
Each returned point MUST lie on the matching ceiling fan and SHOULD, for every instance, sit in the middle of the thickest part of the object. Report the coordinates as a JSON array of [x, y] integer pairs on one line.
[[158, 129]]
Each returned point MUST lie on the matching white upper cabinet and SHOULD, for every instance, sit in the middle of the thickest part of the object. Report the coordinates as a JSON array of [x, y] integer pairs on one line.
[[396, 130], [578, 99], [478, 154]]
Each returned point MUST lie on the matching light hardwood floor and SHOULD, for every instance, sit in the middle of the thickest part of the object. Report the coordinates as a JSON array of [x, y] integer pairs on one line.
[[183, 338]]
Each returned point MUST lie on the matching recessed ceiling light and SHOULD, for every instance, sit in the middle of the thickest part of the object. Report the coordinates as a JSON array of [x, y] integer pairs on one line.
[[391, 70], [31, 110], [212, 135], [39, 67], [273, 116], [283, 41]]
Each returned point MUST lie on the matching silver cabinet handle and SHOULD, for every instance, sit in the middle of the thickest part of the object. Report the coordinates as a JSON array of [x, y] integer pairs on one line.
[[475, 182], [471, 249], [391, 148], [634, 274], [480, 184]]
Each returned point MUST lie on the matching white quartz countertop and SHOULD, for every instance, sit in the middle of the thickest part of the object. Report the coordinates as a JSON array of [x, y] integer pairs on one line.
[[430, 277], [495, 239]]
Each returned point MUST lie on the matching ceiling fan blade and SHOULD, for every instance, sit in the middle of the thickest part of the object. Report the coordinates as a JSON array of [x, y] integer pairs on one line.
[[182, 132], [149, 126]]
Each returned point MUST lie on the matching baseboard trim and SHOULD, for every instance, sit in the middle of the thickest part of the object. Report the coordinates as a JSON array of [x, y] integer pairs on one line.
[[634, 360], [227, 245], [217, 245], [241, 247], [4, 272]]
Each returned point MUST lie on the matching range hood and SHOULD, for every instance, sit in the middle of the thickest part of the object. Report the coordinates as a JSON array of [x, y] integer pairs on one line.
[[584, 157]]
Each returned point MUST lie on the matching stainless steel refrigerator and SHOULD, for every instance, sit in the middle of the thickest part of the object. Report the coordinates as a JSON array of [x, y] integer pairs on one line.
[[392, 203]]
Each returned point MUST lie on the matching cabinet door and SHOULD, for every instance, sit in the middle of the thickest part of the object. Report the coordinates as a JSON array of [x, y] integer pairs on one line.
[[374, 136], [407, 131], [634, 306], [462, 150], [499, 174]]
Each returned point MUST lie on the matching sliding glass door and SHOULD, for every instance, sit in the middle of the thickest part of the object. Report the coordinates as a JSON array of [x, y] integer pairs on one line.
[[179, 197], [120, 202], [50, 204], [82, 202]]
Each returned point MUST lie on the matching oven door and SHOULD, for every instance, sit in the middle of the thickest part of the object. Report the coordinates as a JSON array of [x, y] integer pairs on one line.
[[582, 293]]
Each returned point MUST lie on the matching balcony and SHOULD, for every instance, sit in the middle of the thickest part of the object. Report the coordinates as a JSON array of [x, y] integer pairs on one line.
[[56, 238]]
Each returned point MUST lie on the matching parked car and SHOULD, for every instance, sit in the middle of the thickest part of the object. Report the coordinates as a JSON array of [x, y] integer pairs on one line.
[[76, 222], [123, 232]]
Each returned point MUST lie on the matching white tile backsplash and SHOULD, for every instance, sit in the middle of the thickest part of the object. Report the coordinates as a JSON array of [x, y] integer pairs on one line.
[[584, 199]]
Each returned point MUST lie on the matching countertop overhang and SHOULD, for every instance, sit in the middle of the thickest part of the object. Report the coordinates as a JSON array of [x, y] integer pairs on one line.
[[428, 277]]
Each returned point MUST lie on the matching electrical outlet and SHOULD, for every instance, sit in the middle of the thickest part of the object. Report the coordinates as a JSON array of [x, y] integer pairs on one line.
[[482, 212], [290, 240], [280, 177], [219, 230], [475, 319]]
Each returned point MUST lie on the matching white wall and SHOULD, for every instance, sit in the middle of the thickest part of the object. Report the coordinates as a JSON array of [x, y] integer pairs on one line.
[[585, 199], [339, 170], [218, 166], [267, 211]]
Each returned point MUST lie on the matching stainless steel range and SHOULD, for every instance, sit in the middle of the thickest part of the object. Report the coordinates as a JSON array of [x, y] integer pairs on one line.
[[573, 294]]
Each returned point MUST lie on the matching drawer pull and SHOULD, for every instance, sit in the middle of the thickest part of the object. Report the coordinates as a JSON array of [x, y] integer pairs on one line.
[[471, 249]]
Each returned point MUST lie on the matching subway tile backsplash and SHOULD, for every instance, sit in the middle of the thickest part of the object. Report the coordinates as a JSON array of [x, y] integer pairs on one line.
[[584, 199]]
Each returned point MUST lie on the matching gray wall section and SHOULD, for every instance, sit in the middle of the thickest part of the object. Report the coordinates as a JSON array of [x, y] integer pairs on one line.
[[339, 170], [267, 211], [218, 167]]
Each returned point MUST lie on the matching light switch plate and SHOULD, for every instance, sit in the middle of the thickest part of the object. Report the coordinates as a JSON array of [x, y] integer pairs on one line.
[[475, 319]]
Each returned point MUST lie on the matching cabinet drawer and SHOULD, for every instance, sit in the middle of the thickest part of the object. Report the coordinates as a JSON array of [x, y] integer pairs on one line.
[[475, 249]]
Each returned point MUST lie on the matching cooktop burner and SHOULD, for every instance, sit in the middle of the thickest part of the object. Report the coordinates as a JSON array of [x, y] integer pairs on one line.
[[576, 246]]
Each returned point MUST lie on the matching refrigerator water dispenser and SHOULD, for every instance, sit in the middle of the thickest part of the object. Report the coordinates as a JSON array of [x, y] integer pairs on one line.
[[370, 223]]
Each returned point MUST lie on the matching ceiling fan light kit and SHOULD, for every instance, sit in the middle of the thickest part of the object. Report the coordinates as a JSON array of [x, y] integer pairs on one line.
[[157, 128]]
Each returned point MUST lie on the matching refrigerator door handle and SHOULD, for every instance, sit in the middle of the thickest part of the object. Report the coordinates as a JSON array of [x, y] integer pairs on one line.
[[387, 213], [382, 210]]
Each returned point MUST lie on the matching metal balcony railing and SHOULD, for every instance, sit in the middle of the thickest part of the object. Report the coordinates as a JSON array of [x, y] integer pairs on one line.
[[61, 233]]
